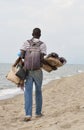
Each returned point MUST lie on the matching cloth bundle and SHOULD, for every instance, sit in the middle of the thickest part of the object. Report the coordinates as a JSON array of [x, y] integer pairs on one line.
[[21, 73], [12, 75], [52, 62], [17, 74]]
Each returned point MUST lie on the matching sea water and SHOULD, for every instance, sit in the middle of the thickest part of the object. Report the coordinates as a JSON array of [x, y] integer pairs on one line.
[[9, 89]]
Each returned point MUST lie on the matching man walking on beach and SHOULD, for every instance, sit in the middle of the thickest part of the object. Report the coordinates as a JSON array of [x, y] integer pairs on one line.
[[32, 63]]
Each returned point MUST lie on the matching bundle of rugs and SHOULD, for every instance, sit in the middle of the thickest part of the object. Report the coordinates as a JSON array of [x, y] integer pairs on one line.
[[52, 61]]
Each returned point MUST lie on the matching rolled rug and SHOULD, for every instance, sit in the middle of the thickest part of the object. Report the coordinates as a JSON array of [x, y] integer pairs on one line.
[[52, 62]]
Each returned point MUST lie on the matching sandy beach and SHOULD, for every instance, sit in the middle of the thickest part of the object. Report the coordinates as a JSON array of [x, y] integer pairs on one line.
[[63, 107]]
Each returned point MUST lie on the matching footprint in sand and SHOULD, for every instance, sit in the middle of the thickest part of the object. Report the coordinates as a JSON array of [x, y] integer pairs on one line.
[[66, 126]]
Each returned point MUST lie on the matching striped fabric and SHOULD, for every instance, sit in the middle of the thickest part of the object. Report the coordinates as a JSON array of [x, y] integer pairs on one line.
[[26, 45]]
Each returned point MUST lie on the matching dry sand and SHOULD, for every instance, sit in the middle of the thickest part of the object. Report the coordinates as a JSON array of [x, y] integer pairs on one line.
[[63, 107]]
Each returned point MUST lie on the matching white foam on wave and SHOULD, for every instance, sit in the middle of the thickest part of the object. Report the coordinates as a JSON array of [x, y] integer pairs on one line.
[[69, 75], [80, 71], [9, 93], [46, 81]]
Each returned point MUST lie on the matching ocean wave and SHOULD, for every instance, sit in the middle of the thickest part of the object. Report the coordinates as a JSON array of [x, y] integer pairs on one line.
[[9, 89], [8, 93], [80, 71]]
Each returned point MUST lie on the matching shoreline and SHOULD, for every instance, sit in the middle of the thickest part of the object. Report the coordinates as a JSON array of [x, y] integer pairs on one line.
[[63, 107], [12, 92]]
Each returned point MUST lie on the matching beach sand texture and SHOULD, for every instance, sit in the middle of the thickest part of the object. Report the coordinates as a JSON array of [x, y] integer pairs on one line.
[[63, 107]]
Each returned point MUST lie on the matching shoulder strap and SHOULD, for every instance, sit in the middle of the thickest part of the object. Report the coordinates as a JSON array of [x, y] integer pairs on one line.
[[37, 44]]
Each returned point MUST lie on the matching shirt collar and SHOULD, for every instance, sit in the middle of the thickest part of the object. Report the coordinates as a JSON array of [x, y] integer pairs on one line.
[[35, 40]]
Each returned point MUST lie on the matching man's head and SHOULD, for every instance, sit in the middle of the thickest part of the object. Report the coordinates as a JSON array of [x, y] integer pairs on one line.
[[36, 33]]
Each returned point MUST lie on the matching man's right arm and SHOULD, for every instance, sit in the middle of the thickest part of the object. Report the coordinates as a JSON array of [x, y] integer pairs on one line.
[[21, 56]]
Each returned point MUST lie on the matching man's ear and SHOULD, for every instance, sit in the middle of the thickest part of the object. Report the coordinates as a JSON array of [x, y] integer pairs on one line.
[[32, 34]]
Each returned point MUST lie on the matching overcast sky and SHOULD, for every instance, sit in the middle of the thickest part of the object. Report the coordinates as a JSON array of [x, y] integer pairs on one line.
[[61, 22]]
